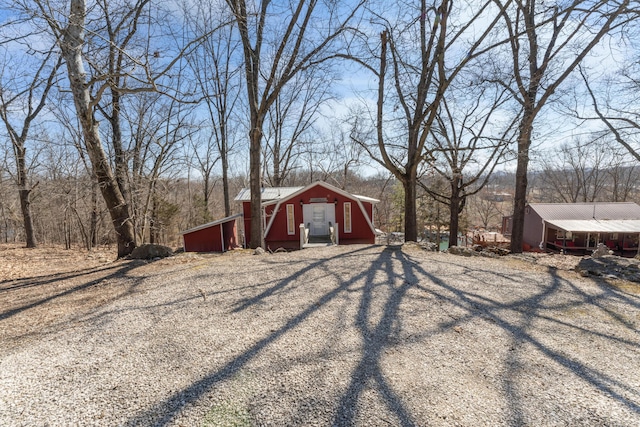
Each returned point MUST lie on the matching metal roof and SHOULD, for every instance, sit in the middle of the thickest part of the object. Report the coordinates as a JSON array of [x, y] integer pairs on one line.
[[597, 226], [267, 193], [212, 223], [587, 211], [277, 193]]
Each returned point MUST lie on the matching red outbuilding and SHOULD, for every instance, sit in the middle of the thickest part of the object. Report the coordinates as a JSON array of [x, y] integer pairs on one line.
[[216, 236], [318, 213]]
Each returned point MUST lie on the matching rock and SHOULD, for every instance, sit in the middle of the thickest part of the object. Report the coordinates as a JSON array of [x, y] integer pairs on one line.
[[488, 254], [150, 251], [601, 250], [497, 251], [610, 267], [259, 251], [429, 246], [460, 250]]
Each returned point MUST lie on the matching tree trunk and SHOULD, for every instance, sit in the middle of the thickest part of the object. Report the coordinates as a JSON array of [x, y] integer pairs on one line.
[[153, 233], [25, 205], [255, 185], [93, 221], [410, 184], [520, 197], [25, 195], [71, 47], [225, 178], [454, 212]]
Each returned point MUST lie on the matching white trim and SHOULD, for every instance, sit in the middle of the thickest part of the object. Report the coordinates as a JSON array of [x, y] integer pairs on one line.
[[291, 221], [328, 187], [348, 223]]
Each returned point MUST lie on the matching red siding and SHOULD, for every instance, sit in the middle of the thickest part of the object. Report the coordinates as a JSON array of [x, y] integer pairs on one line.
[[360, 230], [230, 230], [210, 240], [205, 240], [278, 234], [246, 210]]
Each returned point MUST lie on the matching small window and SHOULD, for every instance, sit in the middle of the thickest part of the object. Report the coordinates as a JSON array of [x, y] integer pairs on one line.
[[564, 235], [291, 220], [347, 217]]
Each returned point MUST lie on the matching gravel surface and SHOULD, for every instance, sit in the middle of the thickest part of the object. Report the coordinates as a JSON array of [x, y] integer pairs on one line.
[[337, 336]]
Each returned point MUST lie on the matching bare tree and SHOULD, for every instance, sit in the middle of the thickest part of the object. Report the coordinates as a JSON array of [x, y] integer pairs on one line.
[[290, 119], [587, 172], [546, 44], [623, 177], [576, 172], [7, 206], [487, 207], [216, 65], [24, 96], [342, 157], [466, 145], [204, 156], [279, 41], [622, 120], [123, 61], [159, 127], [428, 45], [71, 37], [71, 135]]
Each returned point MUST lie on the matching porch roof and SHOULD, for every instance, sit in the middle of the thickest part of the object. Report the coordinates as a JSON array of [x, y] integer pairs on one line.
[[597, 226]]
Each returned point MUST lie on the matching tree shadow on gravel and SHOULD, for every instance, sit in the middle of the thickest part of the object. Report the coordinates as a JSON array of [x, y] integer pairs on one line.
[[75, 293], [163, 413], [377, 337], [386, 284], [531, 310]]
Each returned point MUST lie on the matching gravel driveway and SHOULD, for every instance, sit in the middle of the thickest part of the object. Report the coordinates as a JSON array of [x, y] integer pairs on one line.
[[337, 336]]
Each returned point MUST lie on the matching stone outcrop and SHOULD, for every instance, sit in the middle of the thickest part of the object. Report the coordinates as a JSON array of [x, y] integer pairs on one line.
[[478, 250], [611, 267], [150, 251]]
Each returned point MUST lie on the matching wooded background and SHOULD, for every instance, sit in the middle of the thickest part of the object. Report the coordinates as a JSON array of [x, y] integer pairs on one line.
[[126, 122]]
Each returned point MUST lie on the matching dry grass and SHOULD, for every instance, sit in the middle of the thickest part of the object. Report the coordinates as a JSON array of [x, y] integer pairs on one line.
[[18, 262]]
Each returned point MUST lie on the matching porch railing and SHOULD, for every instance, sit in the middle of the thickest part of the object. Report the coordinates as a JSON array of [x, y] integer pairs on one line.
[[333, 232], [304, 235]]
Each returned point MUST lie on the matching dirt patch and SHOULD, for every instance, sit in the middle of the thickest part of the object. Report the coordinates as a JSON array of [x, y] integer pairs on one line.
[[18, 262], [45, 286]]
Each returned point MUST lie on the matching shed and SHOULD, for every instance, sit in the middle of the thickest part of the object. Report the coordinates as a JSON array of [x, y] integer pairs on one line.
[[580, 227], [318, 213], [216, 236]]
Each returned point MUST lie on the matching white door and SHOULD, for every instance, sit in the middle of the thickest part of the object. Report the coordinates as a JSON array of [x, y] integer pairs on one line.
[[317, 217]]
